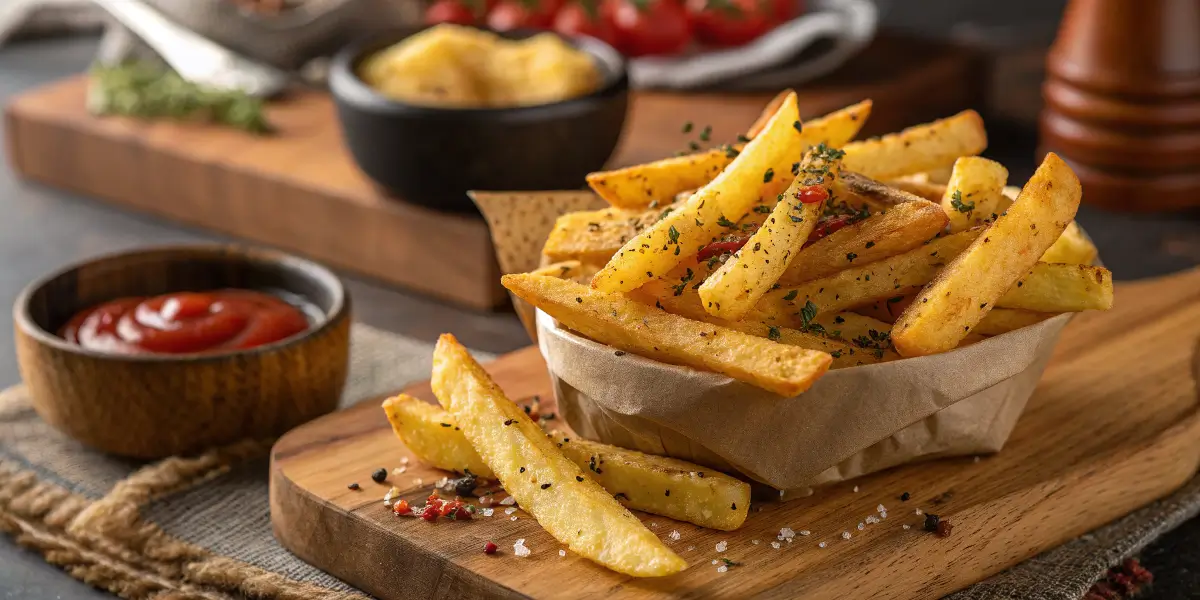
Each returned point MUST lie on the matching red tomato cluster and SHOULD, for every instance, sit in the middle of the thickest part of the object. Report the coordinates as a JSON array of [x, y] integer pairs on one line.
[[635, 27]]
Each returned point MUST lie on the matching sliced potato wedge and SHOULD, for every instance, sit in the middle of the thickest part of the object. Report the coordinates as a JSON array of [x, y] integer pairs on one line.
[[637, 480], [631, 326], [973, 192], [918, 148], [708, 213], [595, 235], [569, 505], [1059, 287], [947, 309], [1073, 247]]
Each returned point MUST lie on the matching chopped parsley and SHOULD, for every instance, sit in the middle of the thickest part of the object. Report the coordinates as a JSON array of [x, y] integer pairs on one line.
[[807, 314], [798, 126], [706, 133], [791, 295], [762, 209], [673, 234], [723, 222], [957, 203], [795, 169], [769, 175], [683, 282], [687, 127], [870, 244], [773, 333], [850, 256], [730, 151], [742, 138]]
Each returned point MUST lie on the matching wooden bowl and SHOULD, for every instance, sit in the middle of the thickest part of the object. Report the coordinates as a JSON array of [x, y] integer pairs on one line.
[[151, 406]]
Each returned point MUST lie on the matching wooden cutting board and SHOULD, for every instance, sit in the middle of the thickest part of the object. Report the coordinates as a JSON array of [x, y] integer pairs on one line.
[[299, 190], [1112, 426]]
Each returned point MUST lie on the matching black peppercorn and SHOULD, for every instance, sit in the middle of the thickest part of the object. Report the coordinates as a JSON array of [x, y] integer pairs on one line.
[[379, 475], [353, 486], [931, 522]]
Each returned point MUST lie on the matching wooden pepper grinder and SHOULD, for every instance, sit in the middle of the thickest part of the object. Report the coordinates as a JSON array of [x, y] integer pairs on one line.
[[1122, 96]]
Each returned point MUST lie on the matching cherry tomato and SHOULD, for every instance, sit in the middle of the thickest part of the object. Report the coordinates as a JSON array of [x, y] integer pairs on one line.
[[732, 22], [449, 11], [517, 14], [584, 17], [786, 10], [658, 27]]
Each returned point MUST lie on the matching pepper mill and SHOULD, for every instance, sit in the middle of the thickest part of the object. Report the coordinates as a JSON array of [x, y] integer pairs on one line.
[[1122, 102]]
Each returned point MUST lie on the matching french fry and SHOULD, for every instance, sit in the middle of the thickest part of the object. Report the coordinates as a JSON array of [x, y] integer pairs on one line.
[[661, 180], [904, 227], [628, 325], [973, 192], [567, 269], [1071, 247], [566, 503], [1057, 287], [918, 148], [768, 111], [849, 326], [922, 187], [1004, 320], [887, 310], [957, 299], [858, 190], [595, 235], [679, 235], [704, 497], [795, 306], [736, 286]]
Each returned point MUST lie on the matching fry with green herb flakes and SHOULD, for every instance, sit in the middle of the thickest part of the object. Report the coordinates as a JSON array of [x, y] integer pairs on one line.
[[953, 303], [703, 217], [974, 192], [661, 180], [628, 325], [705, 498], [918, 148], [567, 504], [1058, 287], [903, 228], [736, 286]]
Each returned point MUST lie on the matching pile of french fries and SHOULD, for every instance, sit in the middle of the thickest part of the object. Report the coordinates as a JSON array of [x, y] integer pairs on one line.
[[769, 262], [802, 250]]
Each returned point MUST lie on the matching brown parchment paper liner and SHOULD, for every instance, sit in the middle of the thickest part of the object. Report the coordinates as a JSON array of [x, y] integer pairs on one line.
[[851, 422]]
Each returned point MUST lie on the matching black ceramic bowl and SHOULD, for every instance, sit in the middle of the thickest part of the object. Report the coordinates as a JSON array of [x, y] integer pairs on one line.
[[432, 156]]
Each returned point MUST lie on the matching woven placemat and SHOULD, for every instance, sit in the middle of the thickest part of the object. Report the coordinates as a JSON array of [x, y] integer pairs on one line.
[[199, 527]]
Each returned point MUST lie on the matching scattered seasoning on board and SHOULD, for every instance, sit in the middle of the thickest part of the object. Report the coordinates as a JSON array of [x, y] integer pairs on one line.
[[904, 497], [379, 475], [354, 486], [490, 548], [944, 528], [931, 522]]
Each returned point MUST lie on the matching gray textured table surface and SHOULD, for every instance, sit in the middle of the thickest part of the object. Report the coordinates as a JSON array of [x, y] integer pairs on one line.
[[42, 229]]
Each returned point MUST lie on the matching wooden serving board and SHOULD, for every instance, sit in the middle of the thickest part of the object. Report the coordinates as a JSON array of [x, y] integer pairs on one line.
[[299, 190], [1112, 426]]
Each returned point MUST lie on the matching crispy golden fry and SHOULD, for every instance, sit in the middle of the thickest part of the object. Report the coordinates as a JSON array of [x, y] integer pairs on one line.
[[661, 180], [566, 503], [895, 276], [1058, 287], [858, 190], [736, 286], [595, 235], [1004, 320], [768, 111], [896, 231], [433, 435], [706, 498], [918, 148], [922, 187], [567, 269], [968, 287], [887, 310], [703, 218], [1073, 247], [628, 325], [974, 192], [697, 495], [850, 326]]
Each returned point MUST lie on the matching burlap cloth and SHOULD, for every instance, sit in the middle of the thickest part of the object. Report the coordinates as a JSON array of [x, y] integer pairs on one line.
[[199, 527]]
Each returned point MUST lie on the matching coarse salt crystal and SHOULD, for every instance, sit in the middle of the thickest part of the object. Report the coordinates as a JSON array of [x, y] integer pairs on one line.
[[487, 512], [856, 489], [509, 501], [722, 568], [845, 535], [443, 481], [881, 508], [776, 545], [755, 542], [691, 548], [519, 548], [674, 535], [976, 459], [653, 524], [786, 534], [399, 470], [780, 493], [821, 545], [418, 482], [906, 526], [510, 510], [883, 515], [920, 512], [404, 460], [872, 519], [513, 518], [715, 561], [805, 532], [721, 546], [562, 552]]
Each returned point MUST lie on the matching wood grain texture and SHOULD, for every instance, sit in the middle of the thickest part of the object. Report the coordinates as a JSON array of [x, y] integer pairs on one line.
[[301, 191], [1112, 426]]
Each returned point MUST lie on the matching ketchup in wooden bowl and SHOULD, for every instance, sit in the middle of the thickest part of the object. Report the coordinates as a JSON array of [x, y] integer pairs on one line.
[[186, 323]]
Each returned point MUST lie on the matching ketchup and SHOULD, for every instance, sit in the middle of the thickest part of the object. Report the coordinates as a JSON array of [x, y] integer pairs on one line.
[[185, 323]]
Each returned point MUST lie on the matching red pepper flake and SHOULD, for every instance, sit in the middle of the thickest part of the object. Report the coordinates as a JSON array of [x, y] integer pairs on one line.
[[401, 507], [490, 548], [430, 513], [944, 528], [719, 248], [811, 194]]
